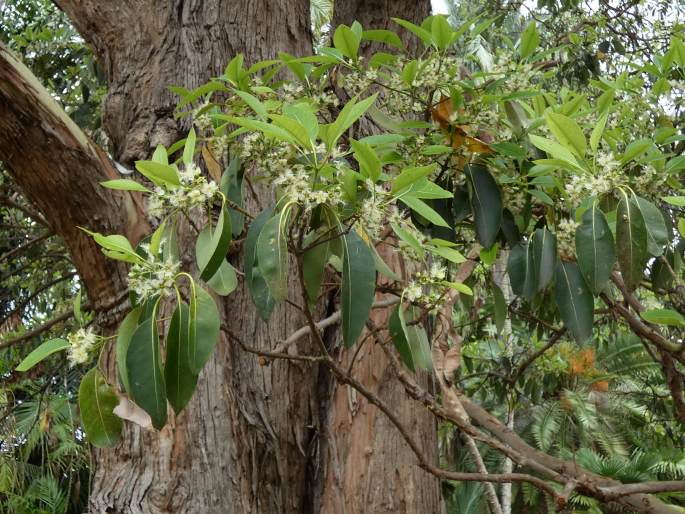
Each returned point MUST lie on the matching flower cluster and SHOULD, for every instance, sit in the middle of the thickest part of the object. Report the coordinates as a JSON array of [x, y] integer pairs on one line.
[[194, 191], [153, 278], [428, 287], [566, 238], [81, 343], [296, 184]]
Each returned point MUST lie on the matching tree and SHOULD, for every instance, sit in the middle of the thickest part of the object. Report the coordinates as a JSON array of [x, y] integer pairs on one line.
[[272, 449], [390, 213]]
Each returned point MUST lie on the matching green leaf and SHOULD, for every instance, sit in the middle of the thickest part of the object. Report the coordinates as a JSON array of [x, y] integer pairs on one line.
[[258, 107], [232, 187], [224, 281], [631, 241], [272, 254], [544, 250], [305, 116], [125, 184], [126, 329], [657, 234], [664, 317], [422, 33], [556, 150], [410, 175], [314, 263], [189, 147], [156, 238], [159, 174], [501, 308], [517, 267], [597, 132], [97, 400], [115, 246], [422, 208], [415, 337], [486, 202], [349, 114], [567, 132], [425, 189], [259, 291], [399, 339], [144, 370], [635, 149], [178, 374], [44, 350], [678, 201], [358, 286], [383, 36], [450, 254], [204, 326], [369, 163], [346, 41], [595, 248], [574, 300], [530, 39], [441, 32], [212, 255], [408, 238]]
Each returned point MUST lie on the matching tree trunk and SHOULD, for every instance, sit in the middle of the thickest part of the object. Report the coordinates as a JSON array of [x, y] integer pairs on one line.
[[279, 438]]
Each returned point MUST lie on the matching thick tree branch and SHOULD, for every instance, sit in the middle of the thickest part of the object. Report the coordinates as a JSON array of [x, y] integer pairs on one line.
[[59, 170]]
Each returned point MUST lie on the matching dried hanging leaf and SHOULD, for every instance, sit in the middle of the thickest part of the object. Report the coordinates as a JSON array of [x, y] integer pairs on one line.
[[213, 165], [131, 412]]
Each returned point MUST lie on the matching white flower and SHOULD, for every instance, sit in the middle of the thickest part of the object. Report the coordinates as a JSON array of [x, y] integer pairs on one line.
[[153, 278], [413, 292], [81, 343], [438, 272]]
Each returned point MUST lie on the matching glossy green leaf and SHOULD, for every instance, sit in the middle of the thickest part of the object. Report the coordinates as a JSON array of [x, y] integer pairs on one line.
[[214, 253], [544, 249], [189, 147], [203, 327], [422, 208], [595, 248], [530, 39], [96, 401], [346, 41], [358, 286], [232, 187], [224, 281], [369, 163], [631, 241], [383, 36], [667, 317], [501, 308], [125, 185], [422, 33], [159, 174], [314, 263], [409, 176], [574, 301], [441, 32], [567, 132], [179, 377], [486, 203], [43, 351], [144, 370], [256, 285], [272, 254], [126, 329], [399, 339], [416, 338], [657, 234]]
